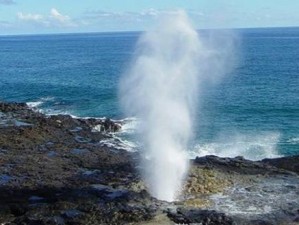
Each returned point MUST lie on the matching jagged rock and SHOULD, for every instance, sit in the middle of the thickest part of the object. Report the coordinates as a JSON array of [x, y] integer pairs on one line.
[[237, 164], [110, 126], [71, 213], [260, 222], [58, 172], [290, 163], [13, 106], [204, 217]]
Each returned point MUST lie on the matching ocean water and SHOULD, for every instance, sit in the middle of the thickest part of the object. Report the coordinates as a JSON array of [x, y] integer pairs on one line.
[[253, 112]]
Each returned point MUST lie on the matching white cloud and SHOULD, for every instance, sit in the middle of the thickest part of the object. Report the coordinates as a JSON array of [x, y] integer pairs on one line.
[[147, 14], [54, 19], [128, 20], [59, 17], [95, 20], [29, 17], [150, 12], [100, 14]]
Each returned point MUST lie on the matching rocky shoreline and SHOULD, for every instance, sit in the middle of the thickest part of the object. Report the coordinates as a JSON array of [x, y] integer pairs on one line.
[[57, 170]]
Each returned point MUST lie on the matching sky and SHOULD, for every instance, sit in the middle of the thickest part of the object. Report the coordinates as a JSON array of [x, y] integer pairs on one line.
[[69, 16]]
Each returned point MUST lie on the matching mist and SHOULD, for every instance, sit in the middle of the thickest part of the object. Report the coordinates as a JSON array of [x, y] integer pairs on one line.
[[172, 64]]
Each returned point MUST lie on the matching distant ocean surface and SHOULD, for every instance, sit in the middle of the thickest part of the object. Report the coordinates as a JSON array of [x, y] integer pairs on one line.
[[253, 112]]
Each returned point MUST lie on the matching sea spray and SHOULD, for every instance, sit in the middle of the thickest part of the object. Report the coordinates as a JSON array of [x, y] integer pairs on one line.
[[160, 88], [251, 146]]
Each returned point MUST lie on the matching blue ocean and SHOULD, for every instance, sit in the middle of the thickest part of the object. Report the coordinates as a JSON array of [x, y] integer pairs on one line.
[[252, 112]]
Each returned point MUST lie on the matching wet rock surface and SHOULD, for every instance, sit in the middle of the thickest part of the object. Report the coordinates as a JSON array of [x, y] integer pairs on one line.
[[56, 170], [197, 216]]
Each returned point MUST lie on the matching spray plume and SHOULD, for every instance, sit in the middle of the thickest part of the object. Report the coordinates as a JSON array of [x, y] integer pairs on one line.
[[160, 88]]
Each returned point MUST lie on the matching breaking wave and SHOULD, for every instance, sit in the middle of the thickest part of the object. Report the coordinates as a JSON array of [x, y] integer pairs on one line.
[[253, 147]]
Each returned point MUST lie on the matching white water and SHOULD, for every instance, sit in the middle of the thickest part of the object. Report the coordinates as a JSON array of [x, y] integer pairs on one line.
[[253, 147], [161, 89], [271, 198]]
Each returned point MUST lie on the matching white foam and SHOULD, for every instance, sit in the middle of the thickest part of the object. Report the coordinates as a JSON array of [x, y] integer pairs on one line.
[[129, 125], [253, 147], [34, 104], [118, 143], [53, 112], [121, 139], [39, 102], [49, 98], [87, 117], [293, 141], [269, 197]]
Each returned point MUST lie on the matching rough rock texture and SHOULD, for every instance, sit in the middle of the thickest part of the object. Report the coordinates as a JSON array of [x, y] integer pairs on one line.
[[204, 217], [237, 165], [58, 170], [262, 192], [55, 170], [288, 163]]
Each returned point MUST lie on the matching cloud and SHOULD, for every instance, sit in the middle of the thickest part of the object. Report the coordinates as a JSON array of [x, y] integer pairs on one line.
[[54, 19], [118, 20], [95, 19], [150, 12], [7, 2], [147, 14], [127, 15], [102, 15], [30, 17], [63, 19]]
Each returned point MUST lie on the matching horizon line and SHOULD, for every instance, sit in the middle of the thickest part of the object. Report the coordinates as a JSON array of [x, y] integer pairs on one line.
[[138, 31]]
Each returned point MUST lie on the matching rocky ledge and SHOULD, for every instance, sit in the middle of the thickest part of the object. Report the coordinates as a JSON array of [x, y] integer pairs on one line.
[[59, 170]]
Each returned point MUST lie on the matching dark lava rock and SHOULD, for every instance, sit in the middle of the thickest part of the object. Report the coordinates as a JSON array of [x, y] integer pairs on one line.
[[290, 163], [110, 126], [41, 179], [71, 213], [36, 199], [204, 217], [237, 164], [13, 106], [56, 220], [260, 222], [58, 172], [39, 220]]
